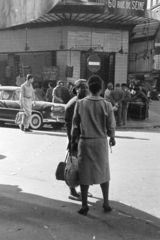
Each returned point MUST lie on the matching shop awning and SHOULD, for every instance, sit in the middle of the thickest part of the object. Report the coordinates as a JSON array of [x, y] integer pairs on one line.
[[16, 12], [90, 13], [100, 13]]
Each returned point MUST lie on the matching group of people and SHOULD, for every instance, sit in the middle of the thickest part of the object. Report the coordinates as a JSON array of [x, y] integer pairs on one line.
[[120, 97], [58, 94], [90, 120]]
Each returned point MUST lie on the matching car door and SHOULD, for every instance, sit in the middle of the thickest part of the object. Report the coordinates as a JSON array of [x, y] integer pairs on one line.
[[9, 105]]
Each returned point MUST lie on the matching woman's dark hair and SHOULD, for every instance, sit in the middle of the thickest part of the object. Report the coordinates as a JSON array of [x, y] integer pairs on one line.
[[95, 84], [29, 76]]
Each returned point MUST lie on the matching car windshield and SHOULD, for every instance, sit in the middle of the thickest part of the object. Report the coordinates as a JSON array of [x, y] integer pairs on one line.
[[37, 96]]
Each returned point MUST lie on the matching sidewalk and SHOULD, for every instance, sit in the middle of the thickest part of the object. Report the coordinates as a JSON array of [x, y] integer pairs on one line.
[[152, 122]]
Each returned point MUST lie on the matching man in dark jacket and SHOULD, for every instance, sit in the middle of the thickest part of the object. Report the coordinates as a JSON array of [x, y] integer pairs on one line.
[[60, 93], [49, 92], [125, 102], [81, 91], [116, 97]]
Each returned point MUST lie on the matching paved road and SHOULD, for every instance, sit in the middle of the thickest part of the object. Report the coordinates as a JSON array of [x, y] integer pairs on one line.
[[135, 164], [33, 202], [155, 106]]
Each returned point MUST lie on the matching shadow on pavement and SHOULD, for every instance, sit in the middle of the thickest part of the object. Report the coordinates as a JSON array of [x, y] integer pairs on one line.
[[58, 134], [27, 216], [2, 157]]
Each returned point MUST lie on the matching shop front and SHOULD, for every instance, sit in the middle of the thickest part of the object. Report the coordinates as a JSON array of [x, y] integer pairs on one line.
[[58, 44]]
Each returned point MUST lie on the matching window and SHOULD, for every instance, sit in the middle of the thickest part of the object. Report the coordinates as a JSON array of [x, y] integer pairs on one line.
[[0, 94], [17, 95], [7, 95]]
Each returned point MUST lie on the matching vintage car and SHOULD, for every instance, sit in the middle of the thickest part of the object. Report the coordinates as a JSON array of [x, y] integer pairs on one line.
[[42, 113]]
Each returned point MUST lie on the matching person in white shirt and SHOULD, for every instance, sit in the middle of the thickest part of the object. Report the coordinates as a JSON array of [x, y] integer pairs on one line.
[[108, 91]]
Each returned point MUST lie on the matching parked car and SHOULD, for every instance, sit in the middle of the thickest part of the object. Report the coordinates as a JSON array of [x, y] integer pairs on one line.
[[42, 113]]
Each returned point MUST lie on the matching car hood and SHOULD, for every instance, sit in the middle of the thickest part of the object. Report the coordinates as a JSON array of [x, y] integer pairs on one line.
[[41, 105]]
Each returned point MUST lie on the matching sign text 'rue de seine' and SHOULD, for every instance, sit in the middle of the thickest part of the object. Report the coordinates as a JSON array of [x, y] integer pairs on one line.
[[128, 7]]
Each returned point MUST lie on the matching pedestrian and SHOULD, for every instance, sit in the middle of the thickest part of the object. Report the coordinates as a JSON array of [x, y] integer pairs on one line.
[[39, 90], [60, 93], [144, 89], [108, 91], [149, 95], [93, 121], [116, 97], [70, 88], [125, 102], [142, 98], [80, 91], [26, 97], [49, 92]]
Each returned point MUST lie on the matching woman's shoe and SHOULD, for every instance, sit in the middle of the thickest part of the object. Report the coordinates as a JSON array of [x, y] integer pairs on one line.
[[107, 208], [84, 210], [88, 194]]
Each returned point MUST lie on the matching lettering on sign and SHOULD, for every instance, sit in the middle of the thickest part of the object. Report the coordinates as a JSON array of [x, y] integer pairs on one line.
[[129, 7], [134, 5]]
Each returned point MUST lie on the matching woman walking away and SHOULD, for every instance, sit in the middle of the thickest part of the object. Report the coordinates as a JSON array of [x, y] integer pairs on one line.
[[93, 121]]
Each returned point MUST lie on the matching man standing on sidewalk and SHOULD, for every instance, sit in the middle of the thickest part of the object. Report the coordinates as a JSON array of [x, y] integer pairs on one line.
[[116, 97], [60, 93], [125, 102], [26, 97]]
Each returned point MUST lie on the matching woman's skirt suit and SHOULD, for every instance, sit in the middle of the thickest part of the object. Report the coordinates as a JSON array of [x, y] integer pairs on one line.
[[93, 121]]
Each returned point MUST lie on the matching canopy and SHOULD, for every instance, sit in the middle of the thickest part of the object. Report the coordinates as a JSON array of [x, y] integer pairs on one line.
[[16, 12]]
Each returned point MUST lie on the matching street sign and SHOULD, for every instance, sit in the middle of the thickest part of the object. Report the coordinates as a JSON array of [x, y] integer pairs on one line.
[[157, 44], [94, 63]]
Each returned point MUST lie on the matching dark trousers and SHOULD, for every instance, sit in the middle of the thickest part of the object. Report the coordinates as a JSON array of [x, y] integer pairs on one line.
[[118, 115], [124, 115]]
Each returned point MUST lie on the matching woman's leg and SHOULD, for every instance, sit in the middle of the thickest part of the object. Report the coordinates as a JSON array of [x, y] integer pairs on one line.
[[84, 194], [105, 192]]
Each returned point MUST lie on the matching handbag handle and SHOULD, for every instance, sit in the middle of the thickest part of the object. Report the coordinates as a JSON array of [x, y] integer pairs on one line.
[[71, 155], [66, 157]]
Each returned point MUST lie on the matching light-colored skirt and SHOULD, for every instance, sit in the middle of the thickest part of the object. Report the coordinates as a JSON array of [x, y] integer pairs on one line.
[[93, 161]]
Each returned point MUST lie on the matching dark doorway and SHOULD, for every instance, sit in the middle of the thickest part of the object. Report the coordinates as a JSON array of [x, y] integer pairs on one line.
[[106, 71]]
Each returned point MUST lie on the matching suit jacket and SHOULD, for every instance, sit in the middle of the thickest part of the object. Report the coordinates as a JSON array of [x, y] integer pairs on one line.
[[116, 96], [126, 99]]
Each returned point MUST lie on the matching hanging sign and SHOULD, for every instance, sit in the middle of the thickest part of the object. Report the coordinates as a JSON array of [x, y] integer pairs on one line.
[[94, 63], [126, 7]]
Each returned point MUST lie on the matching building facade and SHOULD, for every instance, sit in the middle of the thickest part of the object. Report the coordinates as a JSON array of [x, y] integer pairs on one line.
[[57, 45]]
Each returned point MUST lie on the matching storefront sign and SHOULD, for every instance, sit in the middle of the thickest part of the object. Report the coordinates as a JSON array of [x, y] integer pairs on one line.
[[123, 7], [50, 73], [126, 7], [94, 63], [156, 65]]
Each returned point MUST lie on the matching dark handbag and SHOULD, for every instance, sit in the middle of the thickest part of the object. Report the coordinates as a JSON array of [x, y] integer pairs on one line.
[[60, 169]]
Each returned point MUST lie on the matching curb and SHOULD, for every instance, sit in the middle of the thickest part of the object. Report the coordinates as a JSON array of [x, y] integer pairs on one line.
[[145, 127]]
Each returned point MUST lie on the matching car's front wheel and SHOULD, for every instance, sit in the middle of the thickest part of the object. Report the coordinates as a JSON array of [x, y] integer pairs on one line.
[[36, 121]]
